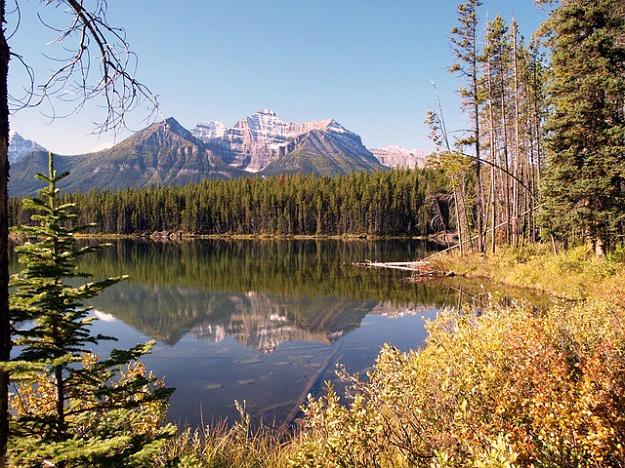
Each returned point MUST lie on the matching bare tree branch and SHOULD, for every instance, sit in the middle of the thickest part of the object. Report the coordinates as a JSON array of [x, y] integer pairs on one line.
[[98, 63]]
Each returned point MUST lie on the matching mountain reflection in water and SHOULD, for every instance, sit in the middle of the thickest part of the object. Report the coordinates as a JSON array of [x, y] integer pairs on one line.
[[265, 322]]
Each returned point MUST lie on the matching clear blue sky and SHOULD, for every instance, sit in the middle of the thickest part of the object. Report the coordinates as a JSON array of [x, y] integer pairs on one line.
[[367, 63]]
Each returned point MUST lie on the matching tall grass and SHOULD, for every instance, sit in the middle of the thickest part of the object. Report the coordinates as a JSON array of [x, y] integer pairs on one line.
[[575, 273], [238, 446]]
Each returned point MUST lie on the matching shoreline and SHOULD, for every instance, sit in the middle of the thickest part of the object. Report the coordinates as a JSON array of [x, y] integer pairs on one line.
[[537, 269], [173, 236]]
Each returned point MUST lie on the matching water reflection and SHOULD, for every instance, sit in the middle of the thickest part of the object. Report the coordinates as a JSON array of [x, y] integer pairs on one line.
[[266, 321]]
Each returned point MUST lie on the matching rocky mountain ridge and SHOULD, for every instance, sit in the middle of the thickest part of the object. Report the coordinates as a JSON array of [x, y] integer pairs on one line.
[[20, 147], [166, 153], [256, 141], [398, 157]]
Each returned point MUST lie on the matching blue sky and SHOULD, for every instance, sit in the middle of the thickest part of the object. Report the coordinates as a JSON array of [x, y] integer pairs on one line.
[[367, 63]]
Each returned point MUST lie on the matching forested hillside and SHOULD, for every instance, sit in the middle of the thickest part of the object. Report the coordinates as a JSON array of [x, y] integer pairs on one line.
[[400, 202]]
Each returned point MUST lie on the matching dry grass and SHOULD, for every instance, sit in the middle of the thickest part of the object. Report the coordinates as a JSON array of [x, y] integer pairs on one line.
[[239, 446], [574, 273]]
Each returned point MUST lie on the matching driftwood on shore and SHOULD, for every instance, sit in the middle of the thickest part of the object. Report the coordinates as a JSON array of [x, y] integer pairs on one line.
[[165, 235], [420, 268]]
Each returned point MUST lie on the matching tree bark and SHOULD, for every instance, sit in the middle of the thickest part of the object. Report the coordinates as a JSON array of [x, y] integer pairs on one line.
[[599, 246], [493, 212], [5, 324], [493, 152], [458, 219], [481, 244], [60, 398], [517, 144], [506, 158], [465, 214]]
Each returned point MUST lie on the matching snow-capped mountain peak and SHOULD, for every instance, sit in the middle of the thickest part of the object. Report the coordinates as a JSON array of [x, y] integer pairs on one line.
[[20, 147], [261, 138], [209, 130], [400, 157]]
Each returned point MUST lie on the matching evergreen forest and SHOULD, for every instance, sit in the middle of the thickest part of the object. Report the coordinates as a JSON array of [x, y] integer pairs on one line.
[[389, 203]]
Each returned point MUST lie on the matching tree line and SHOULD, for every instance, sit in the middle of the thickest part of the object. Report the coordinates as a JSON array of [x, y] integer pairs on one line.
[[399, 202], [496, 187], [544, 156]]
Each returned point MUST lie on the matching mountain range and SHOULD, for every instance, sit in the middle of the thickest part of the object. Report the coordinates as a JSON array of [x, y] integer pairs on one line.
[[166, 153]]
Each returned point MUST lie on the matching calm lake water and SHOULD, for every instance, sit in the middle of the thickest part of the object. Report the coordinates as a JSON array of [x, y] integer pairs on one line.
[[265, 322]]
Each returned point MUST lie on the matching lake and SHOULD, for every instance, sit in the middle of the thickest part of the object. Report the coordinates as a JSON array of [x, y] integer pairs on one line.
[[264, 322]]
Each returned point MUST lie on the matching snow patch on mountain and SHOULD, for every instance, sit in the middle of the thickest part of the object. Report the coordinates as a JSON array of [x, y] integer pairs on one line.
[[209, 130], [20, 147], [395, 156], [257, 140]]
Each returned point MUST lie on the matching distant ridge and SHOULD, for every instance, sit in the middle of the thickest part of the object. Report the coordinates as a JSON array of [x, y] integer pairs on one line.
[[162, 154], [399, 157], [166, 153], [20, 147]]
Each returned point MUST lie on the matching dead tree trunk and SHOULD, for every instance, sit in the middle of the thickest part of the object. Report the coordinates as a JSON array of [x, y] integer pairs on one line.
[[5, 324], [458, 219], [517, 145], [491, 120]]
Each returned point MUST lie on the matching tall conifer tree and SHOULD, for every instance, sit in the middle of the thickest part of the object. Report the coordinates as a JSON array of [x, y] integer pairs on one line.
[[584, 187], [464, 45], [80, 410]]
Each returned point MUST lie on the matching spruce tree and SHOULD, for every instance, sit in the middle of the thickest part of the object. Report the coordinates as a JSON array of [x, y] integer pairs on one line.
[[77, 409], [584, 187]]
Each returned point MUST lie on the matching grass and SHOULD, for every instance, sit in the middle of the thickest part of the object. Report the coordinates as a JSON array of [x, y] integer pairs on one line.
[[220, 446], [575, 273], [506, 387]]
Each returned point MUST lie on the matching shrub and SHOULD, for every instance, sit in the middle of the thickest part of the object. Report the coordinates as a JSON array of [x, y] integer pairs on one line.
[[575, 273], [507, 387]]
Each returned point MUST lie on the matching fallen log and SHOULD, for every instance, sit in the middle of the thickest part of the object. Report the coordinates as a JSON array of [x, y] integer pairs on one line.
[[420, 268]]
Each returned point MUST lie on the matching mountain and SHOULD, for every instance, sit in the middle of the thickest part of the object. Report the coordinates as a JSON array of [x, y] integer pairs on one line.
[[264, 143], [165, 153], [324, 153], [399, 157], [209, 131], [22, 180], [20, 147]]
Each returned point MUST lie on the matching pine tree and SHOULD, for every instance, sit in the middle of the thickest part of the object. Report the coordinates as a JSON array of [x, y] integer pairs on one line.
[[79, 410], [455, 166], [497, 93], [291, 205], [584, 187], [465, 47]]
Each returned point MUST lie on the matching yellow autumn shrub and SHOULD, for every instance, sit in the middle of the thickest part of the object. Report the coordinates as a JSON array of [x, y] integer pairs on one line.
[[574, 273], [505, 388]]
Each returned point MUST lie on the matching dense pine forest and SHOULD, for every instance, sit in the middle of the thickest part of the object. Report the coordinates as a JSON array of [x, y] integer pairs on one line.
[[400, 202], [542, 159]]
